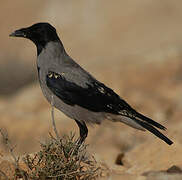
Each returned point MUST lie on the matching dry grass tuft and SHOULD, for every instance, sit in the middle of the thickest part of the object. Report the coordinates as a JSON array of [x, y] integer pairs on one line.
[[61, 159]]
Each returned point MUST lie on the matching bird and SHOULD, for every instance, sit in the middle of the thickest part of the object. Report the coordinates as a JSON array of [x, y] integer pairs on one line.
[[76, 92]]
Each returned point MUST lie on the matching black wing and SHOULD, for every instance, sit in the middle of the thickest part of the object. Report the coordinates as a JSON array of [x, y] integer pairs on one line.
[[96, 97]]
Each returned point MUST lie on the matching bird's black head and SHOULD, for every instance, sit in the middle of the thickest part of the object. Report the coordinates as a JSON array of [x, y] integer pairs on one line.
[[40, 34]]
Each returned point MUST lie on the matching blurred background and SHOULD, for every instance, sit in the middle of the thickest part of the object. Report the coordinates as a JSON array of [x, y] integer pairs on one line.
[[135, 47]]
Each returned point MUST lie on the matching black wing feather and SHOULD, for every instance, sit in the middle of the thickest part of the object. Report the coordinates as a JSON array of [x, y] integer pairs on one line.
[[91, 97]]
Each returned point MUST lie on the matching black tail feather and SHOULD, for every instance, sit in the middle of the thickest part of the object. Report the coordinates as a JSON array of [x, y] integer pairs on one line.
[[150, 121], [154, 131]]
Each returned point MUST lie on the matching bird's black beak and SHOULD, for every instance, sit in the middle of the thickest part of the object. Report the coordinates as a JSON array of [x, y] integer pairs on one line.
[[18, 33]]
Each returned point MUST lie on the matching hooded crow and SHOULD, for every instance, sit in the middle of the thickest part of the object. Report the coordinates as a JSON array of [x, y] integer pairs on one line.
[[76, 92]]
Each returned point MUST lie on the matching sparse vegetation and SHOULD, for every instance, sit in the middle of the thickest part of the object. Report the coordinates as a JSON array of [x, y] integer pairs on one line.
[[61, 158]]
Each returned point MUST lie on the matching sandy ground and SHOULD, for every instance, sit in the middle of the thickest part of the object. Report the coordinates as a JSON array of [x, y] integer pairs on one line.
[[132, 46]]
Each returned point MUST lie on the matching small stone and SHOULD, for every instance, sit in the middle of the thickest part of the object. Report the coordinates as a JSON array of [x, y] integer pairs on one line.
[[174, 169]]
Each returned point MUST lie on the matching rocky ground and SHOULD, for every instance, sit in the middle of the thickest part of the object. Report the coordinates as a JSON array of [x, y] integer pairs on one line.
[[133, 47]]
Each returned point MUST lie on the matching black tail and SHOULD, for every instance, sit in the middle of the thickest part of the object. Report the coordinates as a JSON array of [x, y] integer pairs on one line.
[[153, 130], [150, 121]]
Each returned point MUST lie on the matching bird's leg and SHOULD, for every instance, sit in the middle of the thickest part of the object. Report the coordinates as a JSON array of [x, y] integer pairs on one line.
[[83, 131], [52, 115]]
